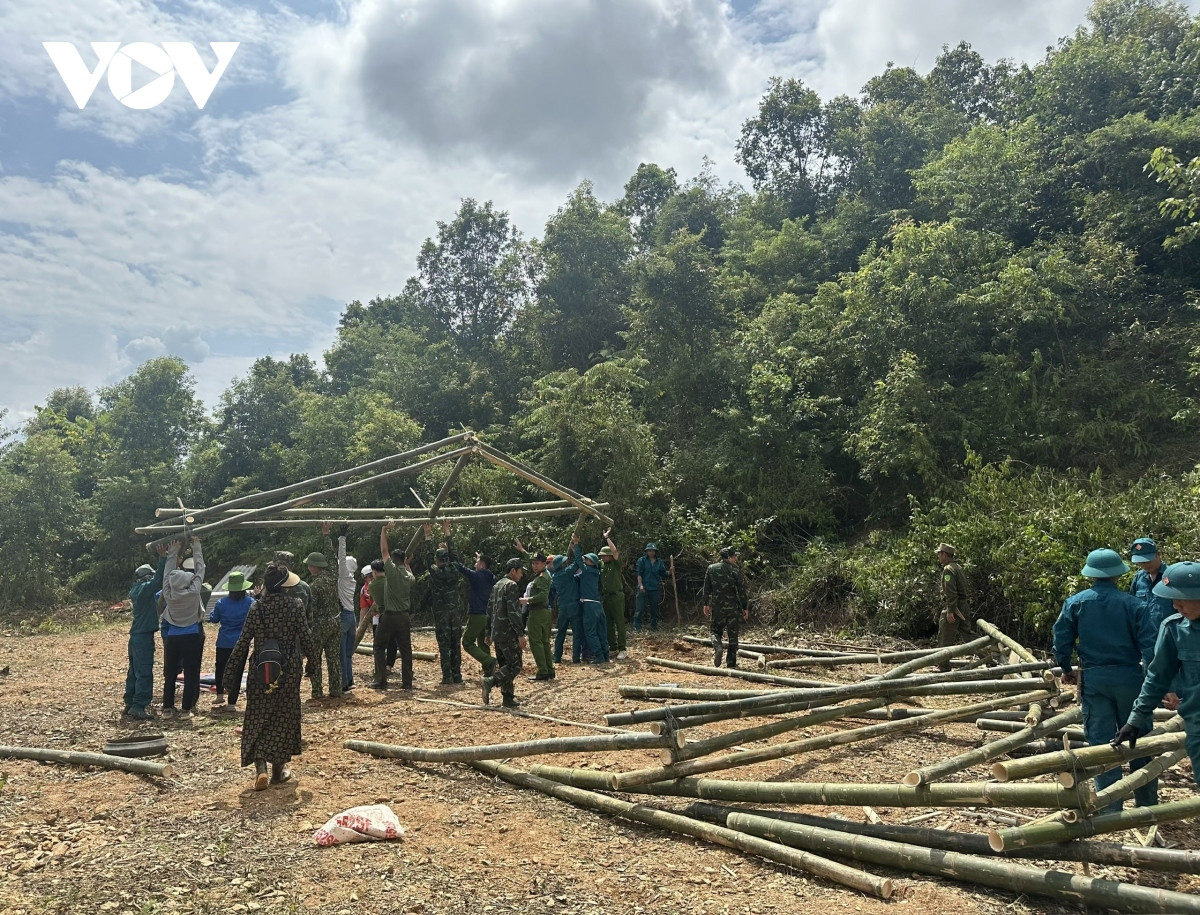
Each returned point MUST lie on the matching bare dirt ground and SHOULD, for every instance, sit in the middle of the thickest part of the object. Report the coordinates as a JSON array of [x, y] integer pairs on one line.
[[84, 841]]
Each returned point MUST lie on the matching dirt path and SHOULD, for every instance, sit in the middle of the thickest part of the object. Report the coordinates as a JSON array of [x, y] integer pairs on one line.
[[202, 841]]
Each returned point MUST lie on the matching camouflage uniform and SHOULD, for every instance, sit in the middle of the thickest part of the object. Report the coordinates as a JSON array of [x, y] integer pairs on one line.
[[325, 621], [725, 593], [504, 622], [953, 615], [447, 609]]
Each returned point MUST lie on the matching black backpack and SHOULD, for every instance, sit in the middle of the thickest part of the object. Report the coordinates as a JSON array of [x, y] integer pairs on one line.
[[270, 664]]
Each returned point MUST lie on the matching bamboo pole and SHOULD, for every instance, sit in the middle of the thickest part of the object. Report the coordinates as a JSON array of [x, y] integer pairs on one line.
[[580, 502], [319, 496], [446, 511], [732, 672], [1159, 859], [77, 758], [1017, 727], [864, 658], [628, 691], [1041, 795], [824, 741], [467, 435], [936, 657], [700, 748], [337, 521], [1058, 885], [854, 878], [368, 648], [1084, 759], [591, 743], [1042, 833], [447, 488], [1123, 787], [1007, 641], [989, 751]]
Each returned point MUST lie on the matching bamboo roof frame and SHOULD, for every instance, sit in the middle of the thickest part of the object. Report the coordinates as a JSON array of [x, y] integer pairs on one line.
[[248, 511]]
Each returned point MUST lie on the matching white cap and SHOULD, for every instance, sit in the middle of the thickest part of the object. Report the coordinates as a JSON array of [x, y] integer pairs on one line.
[[366, 570]]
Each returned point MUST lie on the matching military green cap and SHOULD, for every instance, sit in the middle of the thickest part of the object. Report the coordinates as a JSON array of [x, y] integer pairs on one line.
[[317, 560], [605, 551]]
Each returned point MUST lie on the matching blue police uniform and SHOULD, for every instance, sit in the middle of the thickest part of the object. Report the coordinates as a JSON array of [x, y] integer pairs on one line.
[[566, 585], [1176, 663]]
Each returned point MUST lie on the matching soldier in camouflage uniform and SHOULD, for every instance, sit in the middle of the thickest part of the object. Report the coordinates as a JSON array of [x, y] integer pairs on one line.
[[725, 604], [952, 615], [447, 605], [508, 634], [325, 621]]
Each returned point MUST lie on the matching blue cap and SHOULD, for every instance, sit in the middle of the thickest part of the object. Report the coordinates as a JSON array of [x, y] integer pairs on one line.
[[1181, 581], [1143, 550], [1104, 564]]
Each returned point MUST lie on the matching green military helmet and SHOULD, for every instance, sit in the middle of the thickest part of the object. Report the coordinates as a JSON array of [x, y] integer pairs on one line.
[[592, 558], [143, 571], [1181, 581], [606, 552], [1104, 564], [316, 560]]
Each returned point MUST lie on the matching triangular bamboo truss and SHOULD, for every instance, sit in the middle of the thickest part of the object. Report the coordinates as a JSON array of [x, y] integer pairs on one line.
[[261, 509]]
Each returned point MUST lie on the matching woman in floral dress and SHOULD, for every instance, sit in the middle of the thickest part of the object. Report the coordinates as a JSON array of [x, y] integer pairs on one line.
[[271, 728]]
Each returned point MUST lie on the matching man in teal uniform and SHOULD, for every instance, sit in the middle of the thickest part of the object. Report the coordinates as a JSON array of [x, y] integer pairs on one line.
[[325, 623], [1176, 661], [394, 592], [1111, 632], [537, 614], [650, 570], [591, 609], [139, 680], [612, 593], [566, 586], [508, 636], [725, 604], [444, 578], [1150, 568]]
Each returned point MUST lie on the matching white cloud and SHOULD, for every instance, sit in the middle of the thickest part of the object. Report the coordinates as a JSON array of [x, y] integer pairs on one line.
[[398, 110]]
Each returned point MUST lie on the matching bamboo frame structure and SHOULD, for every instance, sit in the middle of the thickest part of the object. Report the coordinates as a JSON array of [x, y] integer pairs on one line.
[[1102, 755], [629, 740], [1046, 832], [78, 758]]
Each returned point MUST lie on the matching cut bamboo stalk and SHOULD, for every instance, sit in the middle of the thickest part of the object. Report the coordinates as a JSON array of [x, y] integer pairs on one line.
[[580, 502], [1123, 787], [174, 513], [1106, 853], [677, 692], [1058, 885], [591, 743], [78, 758], [1033, 717], [901, 656], [1043, 833], [1075, 777], [989, 751], [368, 648], [337, 521], [1039, 795], [521, 713], [839, 738], [445, 511], [734, 672], [1016, 727], [319, 496], [700, 748], [768, 649], [1007, 641], [936, 657], [1085, 759], [854, 878]]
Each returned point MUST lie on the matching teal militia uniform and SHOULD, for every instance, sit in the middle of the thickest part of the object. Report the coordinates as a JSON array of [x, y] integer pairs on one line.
[[537, 622], [139, 681], [566, 586], [325, 622], [649, 572], [591, 610], [505, 624], [447, 608], [612, 594], [724, 593], [1175, 667], [1110, 630], [1142, 588]]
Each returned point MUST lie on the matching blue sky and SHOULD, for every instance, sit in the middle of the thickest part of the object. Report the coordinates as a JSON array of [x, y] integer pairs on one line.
[[342, 131]]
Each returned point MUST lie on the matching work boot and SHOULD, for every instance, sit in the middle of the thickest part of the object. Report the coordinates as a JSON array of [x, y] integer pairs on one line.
[[260, 775], [488, 683], [280, 774], [510, 702], [717, 652]]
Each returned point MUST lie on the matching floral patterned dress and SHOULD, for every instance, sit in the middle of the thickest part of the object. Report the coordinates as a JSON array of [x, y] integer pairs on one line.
[[271, 727]]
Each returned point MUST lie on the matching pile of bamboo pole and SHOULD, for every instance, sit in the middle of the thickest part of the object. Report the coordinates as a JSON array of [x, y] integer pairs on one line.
[[1013, 699]]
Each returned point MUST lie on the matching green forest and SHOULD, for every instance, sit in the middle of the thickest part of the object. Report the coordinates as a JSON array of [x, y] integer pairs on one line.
[[962, 306]]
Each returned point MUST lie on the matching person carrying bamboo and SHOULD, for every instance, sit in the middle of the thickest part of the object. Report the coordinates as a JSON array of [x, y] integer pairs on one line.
[[479, 588], [1110, 631], [612, 594], [566, 587], [725, 604], [953, 614], [325, 622], [537, 613], [446, 601], [1176, 663], [183, 634], [393, 594], [591, 609], [508, 637]]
